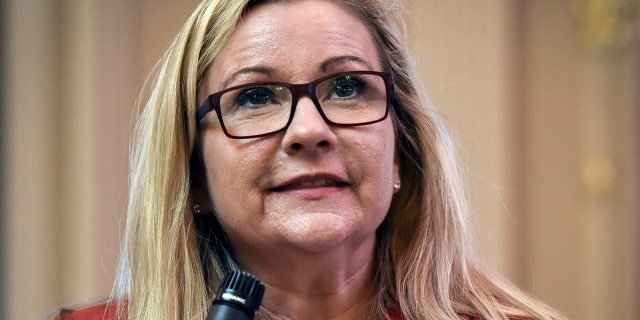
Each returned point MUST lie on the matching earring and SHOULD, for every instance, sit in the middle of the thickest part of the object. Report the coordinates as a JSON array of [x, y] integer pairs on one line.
[[396, 185], [196, 208]]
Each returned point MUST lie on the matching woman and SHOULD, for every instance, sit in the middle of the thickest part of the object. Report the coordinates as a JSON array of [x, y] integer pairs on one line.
[[292, 139]]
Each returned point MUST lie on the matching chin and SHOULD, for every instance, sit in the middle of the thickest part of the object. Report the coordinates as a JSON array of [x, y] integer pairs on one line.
[[318, 233]]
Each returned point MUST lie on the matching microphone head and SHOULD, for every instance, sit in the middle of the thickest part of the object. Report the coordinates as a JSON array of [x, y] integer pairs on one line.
[[241, 289]]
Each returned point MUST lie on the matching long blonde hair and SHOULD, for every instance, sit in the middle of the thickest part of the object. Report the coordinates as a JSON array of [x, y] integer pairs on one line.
[[172, 261]]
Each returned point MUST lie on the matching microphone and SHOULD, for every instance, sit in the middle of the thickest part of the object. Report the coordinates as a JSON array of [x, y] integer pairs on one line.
[[239, 298]]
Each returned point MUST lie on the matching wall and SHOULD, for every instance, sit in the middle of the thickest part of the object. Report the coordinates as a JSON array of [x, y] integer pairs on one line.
[[545, 116], [543, 99], [73, 71]]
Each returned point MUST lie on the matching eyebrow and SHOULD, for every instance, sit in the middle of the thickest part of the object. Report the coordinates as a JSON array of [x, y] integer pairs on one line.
[[268, 71], [244, 71], [335, 61]]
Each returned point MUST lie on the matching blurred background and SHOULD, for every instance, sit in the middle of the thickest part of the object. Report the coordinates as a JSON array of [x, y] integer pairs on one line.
[[541, 96]]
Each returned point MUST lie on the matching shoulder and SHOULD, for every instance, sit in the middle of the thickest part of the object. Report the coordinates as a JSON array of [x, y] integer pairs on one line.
[[466, 317], [397, 316], [101, 311]]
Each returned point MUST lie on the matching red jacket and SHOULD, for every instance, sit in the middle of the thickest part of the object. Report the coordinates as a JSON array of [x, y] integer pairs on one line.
[[108, 312], [97, 312]]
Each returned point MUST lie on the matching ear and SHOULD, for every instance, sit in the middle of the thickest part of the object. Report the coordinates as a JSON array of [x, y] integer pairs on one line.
[[199, 187]]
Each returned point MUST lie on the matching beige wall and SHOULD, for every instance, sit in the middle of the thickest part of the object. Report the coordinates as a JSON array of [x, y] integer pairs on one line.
[[545, 111], [546, 124], [74, 69]]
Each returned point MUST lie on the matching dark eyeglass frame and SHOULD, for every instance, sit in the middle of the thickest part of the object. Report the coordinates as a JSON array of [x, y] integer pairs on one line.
[[297, 91]]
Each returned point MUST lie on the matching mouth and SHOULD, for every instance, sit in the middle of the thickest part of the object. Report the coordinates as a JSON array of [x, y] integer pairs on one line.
[[310, 184]]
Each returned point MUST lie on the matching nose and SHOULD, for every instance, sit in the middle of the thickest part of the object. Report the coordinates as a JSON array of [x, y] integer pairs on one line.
[[308, 132]]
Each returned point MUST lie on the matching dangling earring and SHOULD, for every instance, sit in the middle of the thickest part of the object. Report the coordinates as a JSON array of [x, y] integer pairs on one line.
[[396, 186], [196, 208]]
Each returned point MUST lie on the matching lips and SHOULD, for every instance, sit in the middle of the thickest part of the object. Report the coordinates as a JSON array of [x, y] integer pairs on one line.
[[310, 183]]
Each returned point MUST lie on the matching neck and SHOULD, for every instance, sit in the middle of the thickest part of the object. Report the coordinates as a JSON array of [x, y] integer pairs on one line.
[[308, 286]]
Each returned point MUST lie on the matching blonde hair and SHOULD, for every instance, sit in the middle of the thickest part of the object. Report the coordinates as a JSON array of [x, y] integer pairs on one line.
[[427, 269]]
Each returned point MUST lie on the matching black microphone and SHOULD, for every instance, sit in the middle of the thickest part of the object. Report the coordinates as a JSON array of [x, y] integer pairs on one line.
[[239, 298]]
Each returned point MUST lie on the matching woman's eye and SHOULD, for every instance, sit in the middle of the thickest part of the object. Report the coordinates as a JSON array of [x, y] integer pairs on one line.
[[346, 87], [255, 97]]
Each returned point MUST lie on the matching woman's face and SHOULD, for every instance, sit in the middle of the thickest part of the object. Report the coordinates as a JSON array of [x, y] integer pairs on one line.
[[315, 186]]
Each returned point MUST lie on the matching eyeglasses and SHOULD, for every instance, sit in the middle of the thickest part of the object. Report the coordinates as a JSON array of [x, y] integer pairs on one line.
[[253, 110]]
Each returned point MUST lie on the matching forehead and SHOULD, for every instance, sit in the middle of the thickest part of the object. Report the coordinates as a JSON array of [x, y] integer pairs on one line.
[[294, 41]]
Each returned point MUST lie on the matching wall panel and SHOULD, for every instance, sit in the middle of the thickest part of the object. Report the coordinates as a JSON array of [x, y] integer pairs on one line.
[[547, 126]]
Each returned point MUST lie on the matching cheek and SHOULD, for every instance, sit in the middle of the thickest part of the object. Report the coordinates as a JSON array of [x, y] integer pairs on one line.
[[375, 164], [382, 155], [216, 163], [387, 170], [233, 172]]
